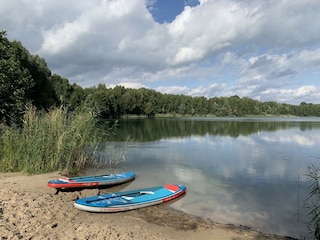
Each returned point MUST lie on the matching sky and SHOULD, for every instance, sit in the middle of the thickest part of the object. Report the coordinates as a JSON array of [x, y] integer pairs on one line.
[[268, 50]]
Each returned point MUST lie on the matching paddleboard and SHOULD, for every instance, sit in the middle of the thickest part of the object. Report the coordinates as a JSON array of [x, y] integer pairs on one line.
[[92, 181], [129, 200]]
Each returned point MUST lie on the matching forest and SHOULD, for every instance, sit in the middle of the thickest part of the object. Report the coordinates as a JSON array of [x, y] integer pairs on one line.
[[25, 80]]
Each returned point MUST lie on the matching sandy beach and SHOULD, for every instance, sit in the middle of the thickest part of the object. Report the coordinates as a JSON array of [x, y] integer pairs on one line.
[[29, 209]]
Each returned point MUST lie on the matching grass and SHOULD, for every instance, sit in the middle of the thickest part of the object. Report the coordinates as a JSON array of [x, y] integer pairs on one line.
[[51, 141]]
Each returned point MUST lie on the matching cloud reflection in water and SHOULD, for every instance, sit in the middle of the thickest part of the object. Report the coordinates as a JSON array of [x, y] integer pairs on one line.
[[256, 180]]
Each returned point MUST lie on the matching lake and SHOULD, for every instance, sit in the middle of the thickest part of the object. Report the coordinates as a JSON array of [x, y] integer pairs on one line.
[[243, 171]]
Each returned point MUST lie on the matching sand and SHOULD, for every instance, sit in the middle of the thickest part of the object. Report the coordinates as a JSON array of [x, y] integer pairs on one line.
[[31, 210]]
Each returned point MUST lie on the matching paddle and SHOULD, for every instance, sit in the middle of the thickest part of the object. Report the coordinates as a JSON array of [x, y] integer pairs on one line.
[[127, 197]]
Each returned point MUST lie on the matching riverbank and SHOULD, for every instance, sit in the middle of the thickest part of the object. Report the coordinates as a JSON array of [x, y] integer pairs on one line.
[[31, 210]]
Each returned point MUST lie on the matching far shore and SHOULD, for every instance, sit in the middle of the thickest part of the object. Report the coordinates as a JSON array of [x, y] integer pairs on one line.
[[164, 115]]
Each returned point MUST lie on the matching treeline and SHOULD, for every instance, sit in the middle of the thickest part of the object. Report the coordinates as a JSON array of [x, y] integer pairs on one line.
[[120, 101], [25, 79]]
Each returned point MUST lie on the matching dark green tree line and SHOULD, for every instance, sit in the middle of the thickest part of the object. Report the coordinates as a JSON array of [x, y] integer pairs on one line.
[[119, 101]]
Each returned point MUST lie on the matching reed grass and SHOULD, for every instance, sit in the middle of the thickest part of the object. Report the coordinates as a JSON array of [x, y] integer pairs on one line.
[[51, 141], [313, 200]]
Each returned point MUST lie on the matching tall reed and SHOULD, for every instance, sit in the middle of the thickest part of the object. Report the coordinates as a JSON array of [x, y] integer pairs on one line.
[[313, 200], [50, 141]]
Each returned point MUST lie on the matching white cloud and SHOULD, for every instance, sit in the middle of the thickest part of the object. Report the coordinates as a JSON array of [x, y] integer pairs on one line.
[[174, 90], [128, 85], [307, 90], [205, 91], [187, 54], [214, 89], [268, 50], [57, 40], [301, 94]]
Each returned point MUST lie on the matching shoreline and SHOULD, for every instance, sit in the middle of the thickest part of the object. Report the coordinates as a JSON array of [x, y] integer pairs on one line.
[[29, 209]]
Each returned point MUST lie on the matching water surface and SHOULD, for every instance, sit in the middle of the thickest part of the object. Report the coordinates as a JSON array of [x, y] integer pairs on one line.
[[243, 171]]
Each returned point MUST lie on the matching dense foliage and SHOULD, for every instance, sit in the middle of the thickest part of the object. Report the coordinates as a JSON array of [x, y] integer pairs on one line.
[[15, 82], [25, 79]]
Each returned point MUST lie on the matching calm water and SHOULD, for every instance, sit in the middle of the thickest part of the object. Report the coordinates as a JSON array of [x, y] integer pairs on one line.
[[248, 171]]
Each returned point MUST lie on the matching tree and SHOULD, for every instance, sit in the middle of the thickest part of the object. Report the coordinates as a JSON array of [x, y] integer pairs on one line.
[[42, 92], [15, 83], [69, 95], [149, 109]]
